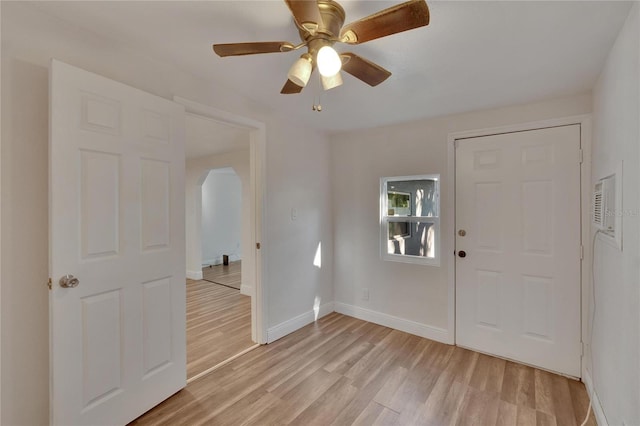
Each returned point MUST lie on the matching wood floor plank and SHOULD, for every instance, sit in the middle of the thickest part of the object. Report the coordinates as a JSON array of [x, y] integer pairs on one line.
[[227, 275], [327, 407], [368, 416], [479, 408], [462, 364], [544, 419], [507, 414], [390, 387], [386, 418], [518, 385], [488, 374], [443, 405], [526, 416], [218, 325], [298, 399], [343, 371]]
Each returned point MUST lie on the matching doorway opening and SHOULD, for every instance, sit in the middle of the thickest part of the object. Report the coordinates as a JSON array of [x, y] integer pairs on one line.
[[223, 218], [222, 227]]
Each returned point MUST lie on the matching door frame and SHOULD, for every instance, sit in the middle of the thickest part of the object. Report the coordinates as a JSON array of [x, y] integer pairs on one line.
[[585, 200], [257, 161]]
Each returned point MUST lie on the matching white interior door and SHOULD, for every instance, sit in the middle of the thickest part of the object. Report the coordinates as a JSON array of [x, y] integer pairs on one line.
[[518, 222], [117, 224]]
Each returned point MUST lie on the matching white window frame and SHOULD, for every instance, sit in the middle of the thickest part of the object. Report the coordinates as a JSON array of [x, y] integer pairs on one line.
[[385, 219]]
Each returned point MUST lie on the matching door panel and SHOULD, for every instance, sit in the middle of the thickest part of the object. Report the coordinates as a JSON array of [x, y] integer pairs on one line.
[[117, 224], [518, 288]]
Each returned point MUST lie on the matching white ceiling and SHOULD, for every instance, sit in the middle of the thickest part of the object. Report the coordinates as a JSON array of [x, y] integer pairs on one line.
[[473, 55], [206, 137]]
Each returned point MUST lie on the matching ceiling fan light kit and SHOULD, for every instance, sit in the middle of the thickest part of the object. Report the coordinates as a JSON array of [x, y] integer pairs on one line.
[[329, 62], [320, 24], [329, 83], [301, 70]]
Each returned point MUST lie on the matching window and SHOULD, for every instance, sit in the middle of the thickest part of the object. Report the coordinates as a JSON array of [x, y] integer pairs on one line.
[[410, 219]]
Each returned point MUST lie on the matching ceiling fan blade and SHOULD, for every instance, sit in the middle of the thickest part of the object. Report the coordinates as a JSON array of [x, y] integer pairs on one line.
[[291, 88], [305, 12], [367, 71], [396, 19], [238, 49]]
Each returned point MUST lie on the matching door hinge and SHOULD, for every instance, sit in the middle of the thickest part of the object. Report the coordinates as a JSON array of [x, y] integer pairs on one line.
[[49, 284], [581, 156], [258, 246], [581, 252]]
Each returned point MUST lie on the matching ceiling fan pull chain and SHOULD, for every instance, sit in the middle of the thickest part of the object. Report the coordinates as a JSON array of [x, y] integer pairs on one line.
[[318, 91]]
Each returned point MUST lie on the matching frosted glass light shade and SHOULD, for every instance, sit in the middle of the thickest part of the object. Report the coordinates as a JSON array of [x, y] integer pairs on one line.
[[329, 62], [300, 71], [331, 82]]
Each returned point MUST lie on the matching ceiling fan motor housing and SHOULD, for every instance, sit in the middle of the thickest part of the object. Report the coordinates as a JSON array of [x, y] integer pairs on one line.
[[327, 32]]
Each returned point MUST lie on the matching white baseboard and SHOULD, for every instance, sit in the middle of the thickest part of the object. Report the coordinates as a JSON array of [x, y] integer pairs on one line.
[[247, 290], [218, 260], [596, 407], [194, 275], [289, 326], [408, 326]]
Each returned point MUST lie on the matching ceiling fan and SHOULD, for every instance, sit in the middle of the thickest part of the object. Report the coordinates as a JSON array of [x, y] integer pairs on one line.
[[320, 24]]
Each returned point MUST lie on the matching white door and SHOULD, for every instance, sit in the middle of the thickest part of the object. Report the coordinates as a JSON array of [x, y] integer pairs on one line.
[[117, 224], [518, 222]]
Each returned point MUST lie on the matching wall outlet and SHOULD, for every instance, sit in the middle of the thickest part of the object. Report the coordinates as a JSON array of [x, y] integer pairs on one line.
[[365, 294], [294, 213]]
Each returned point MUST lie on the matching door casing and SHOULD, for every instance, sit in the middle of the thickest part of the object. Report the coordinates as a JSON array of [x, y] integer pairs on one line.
[[257, 150]]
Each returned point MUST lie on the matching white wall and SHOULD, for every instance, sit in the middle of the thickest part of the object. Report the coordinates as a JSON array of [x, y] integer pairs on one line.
[[25, 332], [297, 174], [413, 295], [221, 216], [615, 349], [196, 173]]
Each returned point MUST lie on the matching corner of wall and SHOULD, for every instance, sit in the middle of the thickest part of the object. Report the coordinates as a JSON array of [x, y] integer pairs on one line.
[[596, 407], [194, 275], [296, 323]]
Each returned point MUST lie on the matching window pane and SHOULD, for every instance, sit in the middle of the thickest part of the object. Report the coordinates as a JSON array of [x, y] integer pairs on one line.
[[412, 198], [411, 239], [398, 203]]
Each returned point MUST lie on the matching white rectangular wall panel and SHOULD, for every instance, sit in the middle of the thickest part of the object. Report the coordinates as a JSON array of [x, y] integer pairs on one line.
[[101, 346], [99, 204], [156, 323], [156, 126], [537, 223], [101, 114], [488, 218], [487, 297], [538, 307], [155, 196]]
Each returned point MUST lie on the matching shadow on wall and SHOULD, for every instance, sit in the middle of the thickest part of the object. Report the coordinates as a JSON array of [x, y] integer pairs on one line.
[[25, 245]]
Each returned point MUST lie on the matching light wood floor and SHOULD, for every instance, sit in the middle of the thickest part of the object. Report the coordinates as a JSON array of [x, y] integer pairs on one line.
[[228, 275], [342, 371], [218, 325]]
